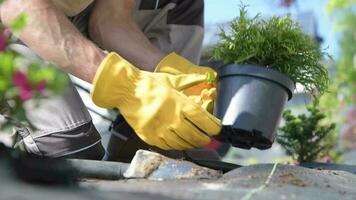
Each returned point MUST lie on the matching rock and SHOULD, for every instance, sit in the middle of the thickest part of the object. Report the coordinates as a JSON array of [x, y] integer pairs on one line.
[[154, 166]]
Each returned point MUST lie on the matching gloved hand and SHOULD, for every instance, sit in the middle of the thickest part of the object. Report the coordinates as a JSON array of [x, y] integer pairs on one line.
[[175, 64], [204, 93], [153, 106]]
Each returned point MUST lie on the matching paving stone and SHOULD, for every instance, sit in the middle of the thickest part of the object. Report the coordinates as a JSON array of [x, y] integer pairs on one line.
[[287, 182]]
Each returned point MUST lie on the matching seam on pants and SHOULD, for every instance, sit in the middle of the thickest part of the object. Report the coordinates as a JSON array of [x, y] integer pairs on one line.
[[44, 133], [159, 16], [31, 145], [28, 141], [55, 155]]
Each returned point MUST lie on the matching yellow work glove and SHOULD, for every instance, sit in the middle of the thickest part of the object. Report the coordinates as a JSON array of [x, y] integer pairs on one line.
[[153, 106], [204, 93]]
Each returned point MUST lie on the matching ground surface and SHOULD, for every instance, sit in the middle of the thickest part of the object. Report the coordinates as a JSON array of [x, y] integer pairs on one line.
[[286, 182]]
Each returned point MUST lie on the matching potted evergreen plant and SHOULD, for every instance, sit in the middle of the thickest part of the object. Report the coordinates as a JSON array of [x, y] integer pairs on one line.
[[263, 60]]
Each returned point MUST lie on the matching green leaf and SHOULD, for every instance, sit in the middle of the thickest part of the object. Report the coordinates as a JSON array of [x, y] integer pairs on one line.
[[4, 84], [6, 64], [19, 22]]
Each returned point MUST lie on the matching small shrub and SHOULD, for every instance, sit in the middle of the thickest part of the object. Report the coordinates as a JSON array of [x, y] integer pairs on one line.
[[277, 43], [304, 137]]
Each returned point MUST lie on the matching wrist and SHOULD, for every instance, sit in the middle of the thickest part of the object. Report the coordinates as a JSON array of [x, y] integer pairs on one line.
[[153, 61]]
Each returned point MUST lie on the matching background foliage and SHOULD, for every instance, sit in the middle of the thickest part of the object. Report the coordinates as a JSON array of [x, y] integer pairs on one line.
[[344, 14]]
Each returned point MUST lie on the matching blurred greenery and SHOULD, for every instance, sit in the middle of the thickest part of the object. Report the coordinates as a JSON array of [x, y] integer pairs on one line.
[[56, 80], [343, 13], [342, 90], [6, 70], [19, 23]]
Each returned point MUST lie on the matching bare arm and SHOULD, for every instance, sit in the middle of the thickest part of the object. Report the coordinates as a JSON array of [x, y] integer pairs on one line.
[[53, 37], [112, 27]]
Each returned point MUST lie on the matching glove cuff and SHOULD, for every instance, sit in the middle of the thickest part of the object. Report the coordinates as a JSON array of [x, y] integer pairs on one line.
[[181, 65], [112, 80]]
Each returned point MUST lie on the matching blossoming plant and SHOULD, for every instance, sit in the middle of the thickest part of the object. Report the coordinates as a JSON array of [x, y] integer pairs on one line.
[[22, 80]]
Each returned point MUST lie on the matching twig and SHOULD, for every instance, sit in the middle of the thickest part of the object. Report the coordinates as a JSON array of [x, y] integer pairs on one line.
[[261, 187]]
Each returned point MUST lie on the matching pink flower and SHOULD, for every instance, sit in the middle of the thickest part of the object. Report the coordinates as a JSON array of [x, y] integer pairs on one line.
[[25, 95], [20, 80], [4, 36]]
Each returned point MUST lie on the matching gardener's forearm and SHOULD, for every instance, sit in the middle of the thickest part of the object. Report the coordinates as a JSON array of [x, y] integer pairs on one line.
[[53, 37], [112, 27]]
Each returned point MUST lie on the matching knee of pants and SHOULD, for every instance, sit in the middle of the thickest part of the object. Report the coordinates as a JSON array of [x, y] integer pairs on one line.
[[83, 142]]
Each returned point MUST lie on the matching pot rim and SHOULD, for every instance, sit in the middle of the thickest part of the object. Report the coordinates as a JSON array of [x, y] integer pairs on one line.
[[259, 72]]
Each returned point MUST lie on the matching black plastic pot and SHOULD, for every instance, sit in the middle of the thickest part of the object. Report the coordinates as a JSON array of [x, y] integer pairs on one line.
[[250, 103]]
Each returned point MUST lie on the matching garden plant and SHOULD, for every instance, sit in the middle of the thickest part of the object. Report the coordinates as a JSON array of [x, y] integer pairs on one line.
[[305, 137], [277, 43]]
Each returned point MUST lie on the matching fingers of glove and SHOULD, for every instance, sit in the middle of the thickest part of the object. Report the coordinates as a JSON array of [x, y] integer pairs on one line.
[[176, 142], [182, 81], [202, 119], [208, 94], [196, 99], [155, 140], [162, 144], [208, 105], [192, 135], [198, 88], [205, 99]]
